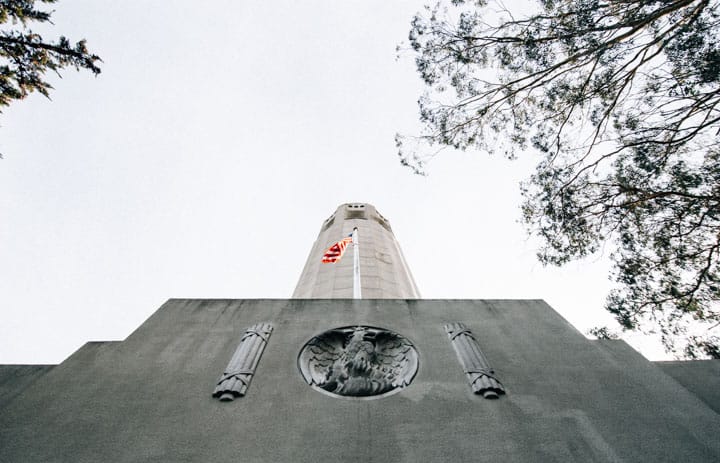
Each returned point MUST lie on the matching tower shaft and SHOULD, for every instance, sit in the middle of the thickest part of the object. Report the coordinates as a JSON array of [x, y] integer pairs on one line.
[[385, 274]]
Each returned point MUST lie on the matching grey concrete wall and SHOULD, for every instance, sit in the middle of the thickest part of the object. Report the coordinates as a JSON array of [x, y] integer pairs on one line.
[[16, 378], [149, 397], [384, 272], [701, 377]]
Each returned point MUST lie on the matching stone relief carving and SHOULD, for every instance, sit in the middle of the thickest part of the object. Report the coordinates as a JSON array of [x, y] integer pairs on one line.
[[478, 370], [358, 361], [239, 372]]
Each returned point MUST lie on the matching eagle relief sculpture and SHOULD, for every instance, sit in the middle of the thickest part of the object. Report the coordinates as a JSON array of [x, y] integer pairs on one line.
[[358, 361]]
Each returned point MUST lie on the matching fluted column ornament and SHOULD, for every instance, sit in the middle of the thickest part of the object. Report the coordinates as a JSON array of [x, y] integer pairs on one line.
[[479, 373], [235, 381]]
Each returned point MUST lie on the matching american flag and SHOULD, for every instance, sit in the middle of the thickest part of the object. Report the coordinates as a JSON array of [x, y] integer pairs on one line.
[[335, 252]]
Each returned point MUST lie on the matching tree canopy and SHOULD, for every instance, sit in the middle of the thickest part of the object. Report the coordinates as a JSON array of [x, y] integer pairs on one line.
[[25, 56], [621, 100]]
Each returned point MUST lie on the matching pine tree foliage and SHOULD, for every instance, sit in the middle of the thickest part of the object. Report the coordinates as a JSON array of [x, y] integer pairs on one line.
[[25, 56], [622, 101]]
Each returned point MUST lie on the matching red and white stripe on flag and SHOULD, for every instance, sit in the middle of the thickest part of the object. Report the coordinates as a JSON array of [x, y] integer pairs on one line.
[[336, 251]]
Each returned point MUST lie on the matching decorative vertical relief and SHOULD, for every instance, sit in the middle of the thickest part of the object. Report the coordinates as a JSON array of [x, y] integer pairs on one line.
[[478, 370], [239, 372]]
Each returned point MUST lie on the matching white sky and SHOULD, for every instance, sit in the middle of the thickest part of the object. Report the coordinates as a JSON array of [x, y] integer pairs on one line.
[[203, 160]]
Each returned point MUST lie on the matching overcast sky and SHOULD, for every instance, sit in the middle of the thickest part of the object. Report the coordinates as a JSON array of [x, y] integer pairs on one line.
[[203, 160]]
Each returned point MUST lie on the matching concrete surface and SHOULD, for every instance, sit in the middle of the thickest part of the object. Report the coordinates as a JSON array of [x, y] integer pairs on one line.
[[148, 398], [384, 272], [701, 377], [16, 378]]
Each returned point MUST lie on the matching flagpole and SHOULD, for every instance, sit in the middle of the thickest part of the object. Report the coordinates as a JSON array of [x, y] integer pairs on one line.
[[356, 265]]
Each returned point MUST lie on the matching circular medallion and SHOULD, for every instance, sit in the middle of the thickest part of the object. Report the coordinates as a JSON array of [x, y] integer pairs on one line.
[[358, 361]]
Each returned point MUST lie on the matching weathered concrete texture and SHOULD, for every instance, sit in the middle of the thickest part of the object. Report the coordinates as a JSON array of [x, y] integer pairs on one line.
[[16, 378], [701, 377], [149, 397], [384, 273]]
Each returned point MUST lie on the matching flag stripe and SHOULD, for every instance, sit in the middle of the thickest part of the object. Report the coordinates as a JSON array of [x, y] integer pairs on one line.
[[336, 251]]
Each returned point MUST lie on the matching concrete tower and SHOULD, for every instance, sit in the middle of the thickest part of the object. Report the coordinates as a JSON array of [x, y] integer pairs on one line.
[[388, 378], [384, 273]]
